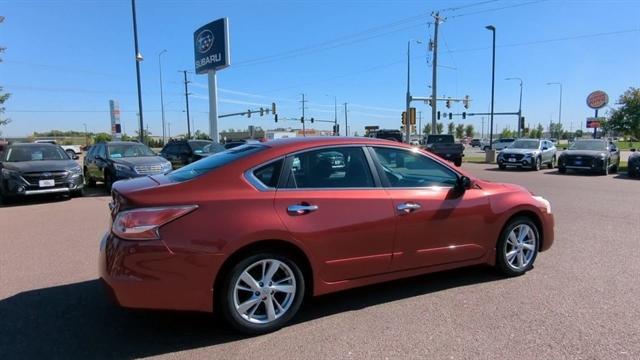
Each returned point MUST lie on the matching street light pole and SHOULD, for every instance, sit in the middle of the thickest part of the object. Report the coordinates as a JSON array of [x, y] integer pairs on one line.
[[519, 104], [86, 135], [559, 106], [138, 60], [164, 136], [493, 81]]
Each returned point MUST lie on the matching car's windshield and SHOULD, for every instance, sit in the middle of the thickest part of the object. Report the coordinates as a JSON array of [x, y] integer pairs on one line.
[[525, 144], [596, 145], [117, 151], [214, 161], [34, 153], [199, 147]]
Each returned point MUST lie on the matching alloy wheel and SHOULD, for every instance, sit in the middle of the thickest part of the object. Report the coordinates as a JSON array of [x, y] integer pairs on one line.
[[520, 247], [264, 291]]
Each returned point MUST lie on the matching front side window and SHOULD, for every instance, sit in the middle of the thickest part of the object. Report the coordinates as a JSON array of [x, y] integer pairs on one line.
[[405, 168], [341, 167], [102, 151]]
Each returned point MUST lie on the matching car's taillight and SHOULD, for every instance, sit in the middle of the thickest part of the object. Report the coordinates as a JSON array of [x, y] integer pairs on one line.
[[143, 223]]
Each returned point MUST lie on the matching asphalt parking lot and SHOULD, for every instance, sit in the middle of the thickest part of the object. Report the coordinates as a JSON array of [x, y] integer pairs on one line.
[[581, 301]]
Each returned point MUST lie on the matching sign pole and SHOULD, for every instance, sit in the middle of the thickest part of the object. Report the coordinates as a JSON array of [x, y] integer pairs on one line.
[[213, 106], [595, 129]]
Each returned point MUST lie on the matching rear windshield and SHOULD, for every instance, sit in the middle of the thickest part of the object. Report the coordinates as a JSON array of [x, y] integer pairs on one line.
[[214, 161]]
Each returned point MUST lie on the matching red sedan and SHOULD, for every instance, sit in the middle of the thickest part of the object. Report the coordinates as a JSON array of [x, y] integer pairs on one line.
[[253, 230]]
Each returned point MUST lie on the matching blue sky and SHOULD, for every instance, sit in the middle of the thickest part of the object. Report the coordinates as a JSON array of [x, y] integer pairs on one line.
[[66, 59]]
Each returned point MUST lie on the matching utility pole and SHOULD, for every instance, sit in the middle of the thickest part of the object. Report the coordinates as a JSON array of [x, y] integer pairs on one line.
[[482, 134], [304, 131], [164, 136], [138, 60], [186, 96], [169, 129], [335, 114], [493, 80], [407, 124], [86, 135], [419, 124], [434, 82], [346, 123]]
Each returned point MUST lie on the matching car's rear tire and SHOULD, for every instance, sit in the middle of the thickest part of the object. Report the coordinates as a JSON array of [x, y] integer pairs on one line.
[[517, 247], [552, 164], [261, 292], [562, 169], [457, 162]]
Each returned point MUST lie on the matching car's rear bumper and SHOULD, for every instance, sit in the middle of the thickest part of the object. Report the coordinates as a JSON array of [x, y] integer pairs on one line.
[[146, 274]]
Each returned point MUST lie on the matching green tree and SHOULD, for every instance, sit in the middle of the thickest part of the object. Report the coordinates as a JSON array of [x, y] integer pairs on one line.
[[200, 135], [439, 128], [3, 96], [450, 128], [427, 129], [578, 133], [506, 133], [101, 137], [626, 118], [539, 131], [459, 131], [556, 130], [469, 131]]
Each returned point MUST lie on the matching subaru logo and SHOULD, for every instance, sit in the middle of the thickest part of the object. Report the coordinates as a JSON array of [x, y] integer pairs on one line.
[[204, 41], [578, 157], [46, 174]]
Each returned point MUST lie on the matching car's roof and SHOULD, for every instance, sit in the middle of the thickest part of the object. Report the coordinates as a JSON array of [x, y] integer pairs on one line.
[[123, 143], [34, 144], [315, 141]]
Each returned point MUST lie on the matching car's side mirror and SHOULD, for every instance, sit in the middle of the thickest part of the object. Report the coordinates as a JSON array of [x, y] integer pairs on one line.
[[564, 148], [545, 148], [613, 150], [463, 183], [632, 149]]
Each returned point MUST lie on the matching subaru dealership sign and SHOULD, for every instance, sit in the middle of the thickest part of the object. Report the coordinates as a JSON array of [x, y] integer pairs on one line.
[[211, 46]]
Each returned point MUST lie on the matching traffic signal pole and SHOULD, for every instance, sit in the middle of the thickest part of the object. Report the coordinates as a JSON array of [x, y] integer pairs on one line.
[[407, 126], [434, 82]]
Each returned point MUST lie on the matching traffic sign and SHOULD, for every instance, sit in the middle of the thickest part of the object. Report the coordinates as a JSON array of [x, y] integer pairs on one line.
[[211, 46]]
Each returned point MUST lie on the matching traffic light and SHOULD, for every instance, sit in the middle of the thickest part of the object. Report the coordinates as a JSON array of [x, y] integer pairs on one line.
[[249, 113], [312, 120], [438, 115], [430, 102], [466, 101], [464, 115], [273, 108], [336, 129], [450, 116], [261, 111], [302, 119], [522, 122], [404, 117], [449, 103], [275, 117], [412, 116]]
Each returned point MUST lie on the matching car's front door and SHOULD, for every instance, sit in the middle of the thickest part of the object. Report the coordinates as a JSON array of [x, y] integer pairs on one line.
[[335, 206], [436, 222]]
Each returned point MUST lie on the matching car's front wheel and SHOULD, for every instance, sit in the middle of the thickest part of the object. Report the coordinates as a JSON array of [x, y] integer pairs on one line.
[[261, 293], [517, 246], [537, 164]]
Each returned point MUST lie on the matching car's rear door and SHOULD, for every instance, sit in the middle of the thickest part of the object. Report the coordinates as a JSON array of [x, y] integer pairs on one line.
[[436, 224], [335, 206]]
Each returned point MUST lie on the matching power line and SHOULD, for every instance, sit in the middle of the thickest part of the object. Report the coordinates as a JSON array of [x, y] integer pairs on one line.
[[469, 5], [497, 9]]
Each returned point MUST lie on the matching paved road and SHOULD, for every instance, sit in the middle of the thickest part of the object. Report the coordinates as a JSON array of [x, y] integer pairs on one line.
[[581, 301]]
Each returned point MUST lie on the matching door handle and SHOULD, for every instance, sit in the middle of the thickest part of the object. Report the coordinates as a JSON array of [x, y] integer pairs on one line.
[[408, 207], [298, 209]]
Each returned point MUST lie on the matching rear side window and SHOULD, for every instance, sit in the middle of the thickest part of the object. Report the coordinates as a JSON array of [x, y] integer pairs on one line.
[[341, 167], [214, 161], [269, 174]]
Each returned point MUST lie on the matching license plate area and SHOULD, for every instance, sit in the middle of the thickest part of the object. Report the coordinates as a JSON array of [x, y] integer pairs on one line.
[[512, 160], [47, 183]]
